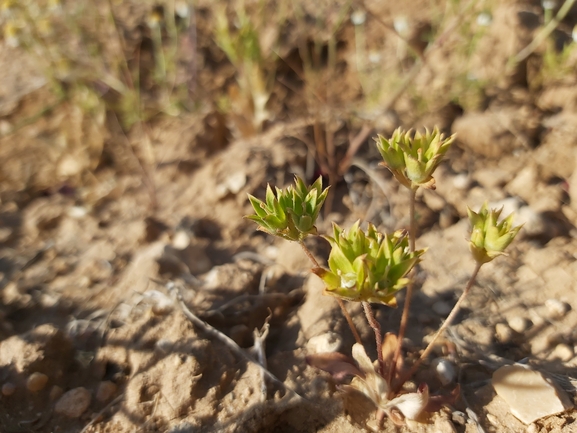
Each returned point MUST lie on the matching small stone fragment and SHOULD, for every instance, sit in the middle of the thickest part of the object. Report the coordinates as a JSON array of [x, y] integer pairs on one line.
[[503, 333], [445, 370], [325, 343], [73, 403], [181, 240], [443, 425], [36, 382], [519, 324], [556, 308], [8, 389], [442, 308], [459, 417], [462, 181], [528, 393], [105, 391], [563, 352], [55, 393]]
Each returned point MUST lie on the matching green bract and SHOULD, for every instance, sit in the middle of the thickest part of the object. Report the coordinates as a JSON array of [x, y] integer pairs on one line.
[[489, 237], [413, 159], [290, 214], [368, 266]]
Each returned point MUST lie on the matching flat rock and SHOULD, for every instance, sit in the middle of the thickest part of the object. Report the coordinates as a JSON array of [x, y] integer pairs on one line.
[[73, 403], [529, 394]]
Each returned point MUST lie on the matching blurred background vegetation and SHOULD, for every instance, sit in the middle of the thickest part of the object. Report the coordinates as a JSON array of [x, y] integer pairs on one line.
[[86, 83]]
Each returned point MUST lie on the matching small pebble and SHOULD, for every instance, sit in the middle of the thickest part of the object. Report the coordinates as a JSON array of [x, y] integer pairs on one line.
[[181, 240], [556, 309], [461, 181], [162, 308], [56, 392], [442, 308], [519, 324], [503, 333], [493, 420], [8, 389], [459, 417], [77, 212], [236, 182], [444, 426], [325, 343], [105, 391], [563, 351], [164, 345], [36, 382], [445, 370], [73, 403]]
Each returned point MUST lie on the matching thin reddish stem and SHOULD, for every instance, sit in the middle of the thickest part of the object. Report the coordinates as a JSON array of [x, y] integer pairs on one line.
[[443, 327], [378, 336], [407, 306]]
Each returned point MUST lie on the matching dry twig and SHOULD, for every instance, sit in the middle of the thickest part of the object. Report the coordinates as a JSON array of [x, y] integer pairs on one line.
[[224, 339]]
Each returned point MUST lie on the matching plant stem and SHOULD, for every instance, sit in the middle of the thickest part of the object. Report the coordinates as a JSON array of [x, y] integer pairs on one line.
[[339, 301], [413, 221], [309, 254], [444, 326], [543, 34], [349, 321], [407, 306], [378, 337]]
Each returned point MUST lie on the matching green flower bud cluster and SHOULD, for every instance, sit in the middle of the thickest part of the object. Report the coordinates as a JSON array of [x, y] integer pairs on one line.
[[413, 159], [290, 214], [489, 237], [368, 266]]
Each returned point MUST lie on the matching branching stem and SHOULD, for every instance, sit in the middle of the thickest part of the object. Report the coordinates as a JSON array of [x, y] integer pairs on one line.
[[443, 327], [378, 336], [339, 301]]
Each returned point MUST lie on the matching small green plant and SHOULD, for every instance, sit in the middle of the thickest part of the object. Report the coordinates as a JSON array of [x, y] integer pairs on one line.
[[292, 213], [368, 267], [245, 45], [371, 267]]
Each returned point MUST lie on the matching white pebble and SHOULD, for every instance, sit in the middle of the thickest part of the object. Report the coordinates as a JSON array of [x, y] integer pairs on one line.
[[519, 324], [77, 212], [556, 309], [358, 17], [180, 240], [236, 182], [325, 343], [563, 352], [461, 181], [503, 333], [445, 370]]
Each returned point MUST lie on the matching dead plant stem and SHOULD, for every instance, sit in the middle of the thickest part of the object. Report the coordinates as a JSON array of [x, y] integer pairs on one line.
[[227, 341], [443, 327], [378, 335], [407, 306], [543, 34], [339, 301]]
